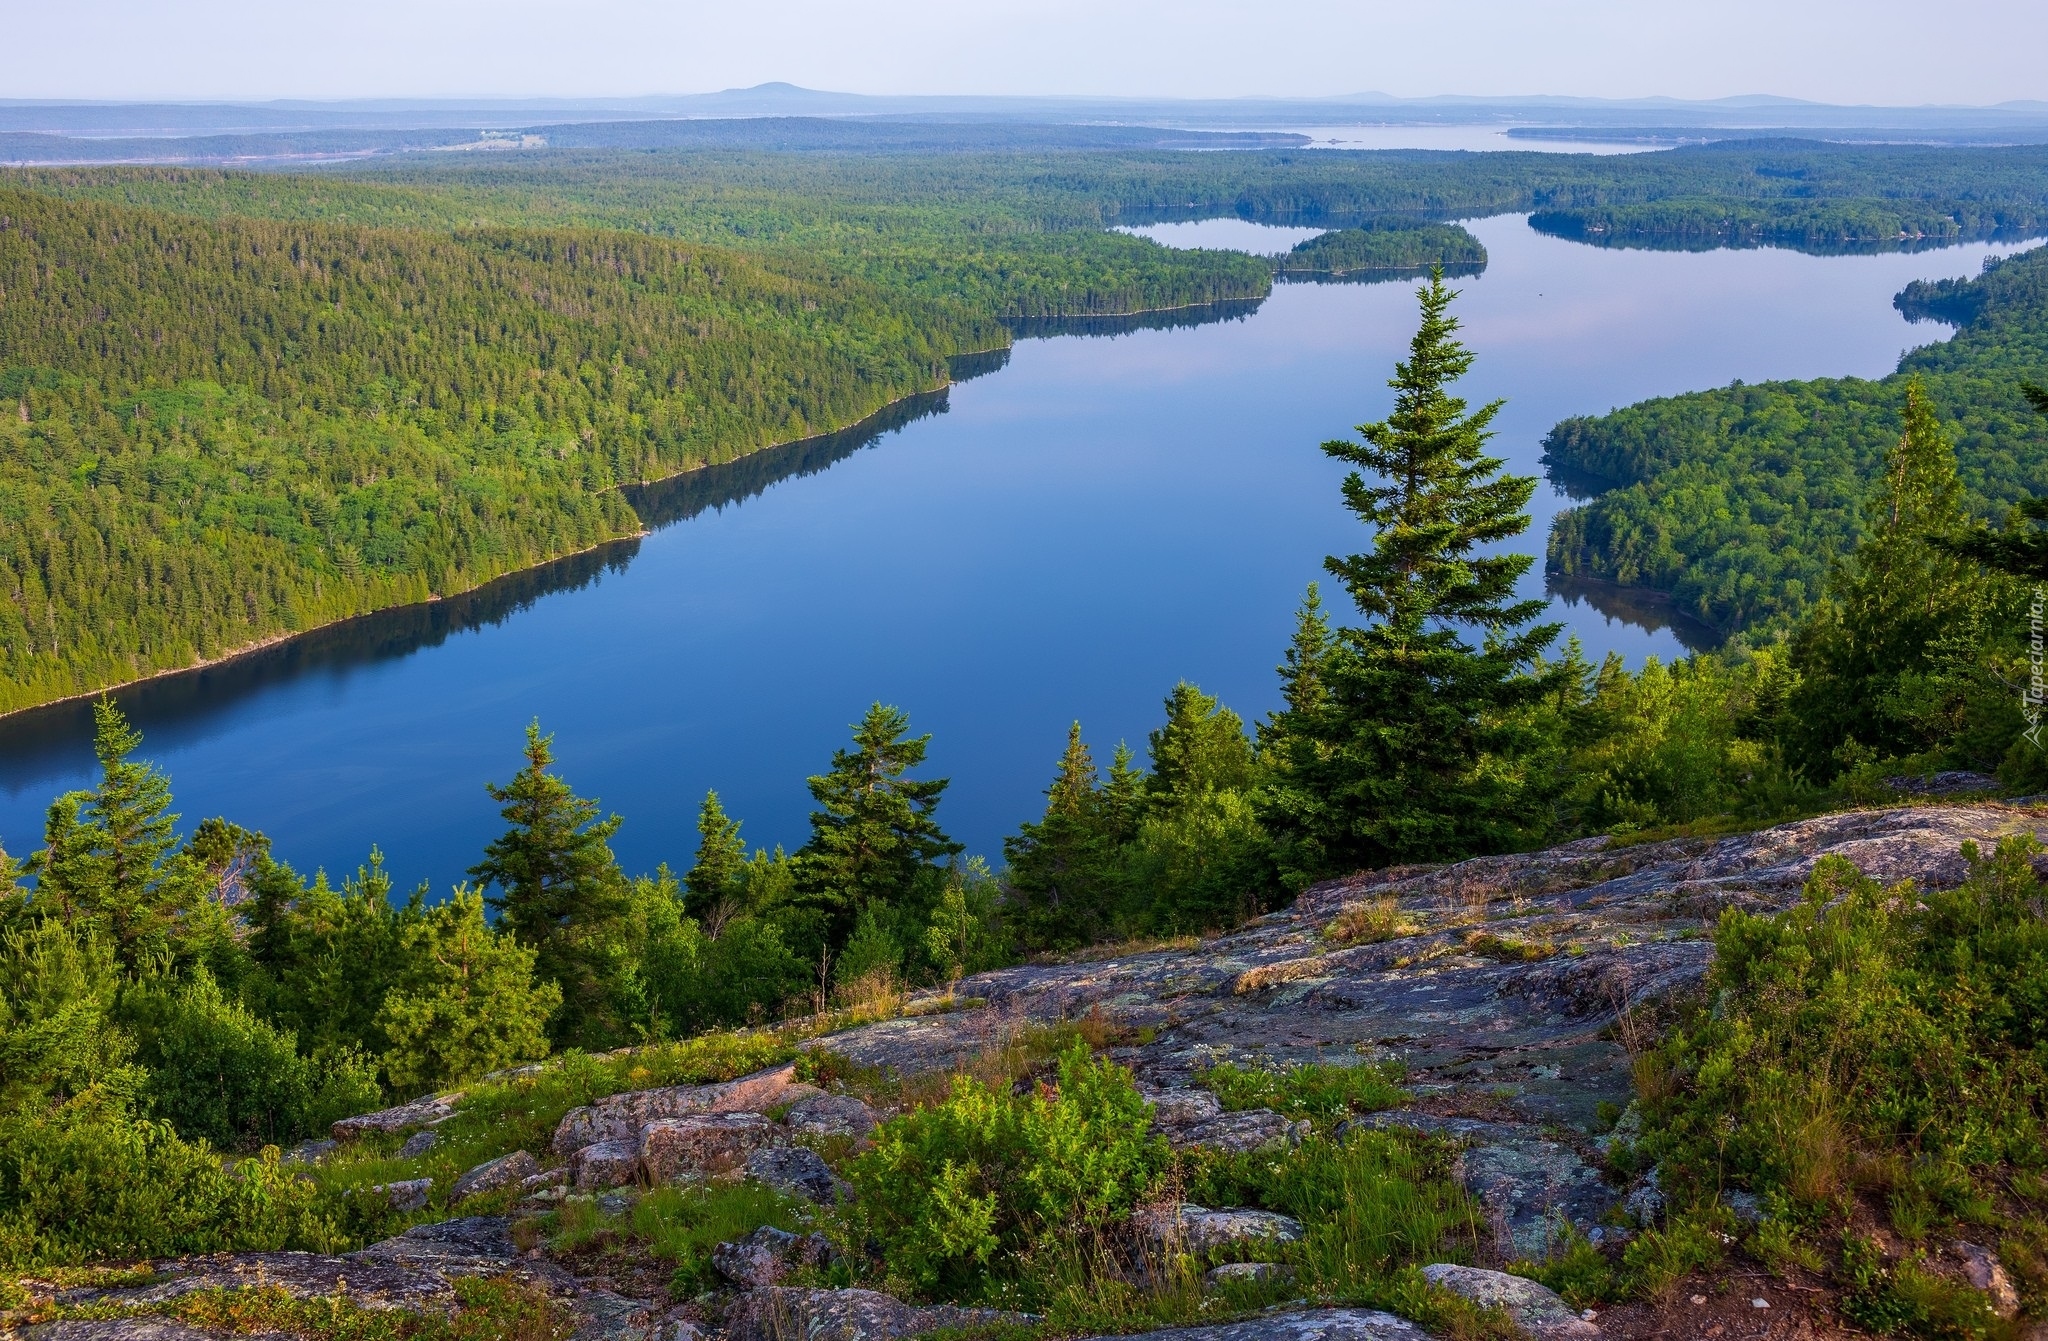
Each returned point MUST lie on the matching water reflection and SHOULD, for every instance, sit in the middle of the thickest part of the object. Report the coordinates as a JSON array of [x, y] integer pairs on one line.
[[1166, 319], [1638, 607], [44, 740]]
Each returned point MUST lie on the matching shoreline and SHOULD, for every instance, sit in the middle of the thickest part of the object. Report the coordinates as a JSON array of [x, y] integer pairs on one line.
[[276, 639]]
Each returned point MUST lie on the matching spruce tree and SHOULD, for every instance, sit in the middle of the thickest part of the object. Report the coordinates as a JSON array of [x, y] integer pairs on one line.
[[1885, 659], [1201, 748], [562, 893], [716, 883], [1060, 867], [111, 856], [873, 831], [1409, 747]]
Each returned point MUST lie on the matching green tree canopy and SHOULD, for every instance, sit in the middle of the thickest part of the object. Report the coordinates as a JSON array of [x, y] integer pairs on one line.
[[562, 892], [874, 830], [1412, 749]]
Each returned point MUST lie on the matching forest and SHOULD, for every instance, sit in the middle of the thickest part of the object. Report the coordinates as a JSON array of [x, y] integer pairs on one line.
[[168, 997], [1738, 501]]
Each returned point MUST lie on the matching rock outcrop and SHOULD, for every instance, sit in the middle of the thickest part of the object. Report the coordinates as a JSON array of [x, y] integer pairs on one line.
[[1535, 1308], [781, 1313], [1513, 1027]]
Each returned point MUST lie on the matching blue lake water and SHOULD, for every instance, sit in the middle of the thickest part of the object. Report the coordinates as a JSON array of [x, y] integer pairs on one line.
[[1061, 537]]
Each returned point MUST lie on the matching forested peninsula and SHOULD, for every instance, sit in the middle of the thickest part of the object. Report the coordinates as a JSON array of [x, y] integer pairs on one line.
[[1737, 501]]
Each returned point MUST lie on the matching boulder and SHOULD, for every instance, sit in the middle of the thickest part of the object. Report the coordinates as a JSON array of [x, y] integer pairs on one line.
[[622, 1116], [1534, 1187], [1309, 1324], [604, 1316], [1247, 1273], [1535, 1309], [605, 1164], [1200, 1232], [672, 1149], [1987, 1275], [310, 1151], [768, 1254], [405, 1117], [491, 1175], [409, 1194], [419, 1143], [796, 1170], [1236, 1133], [831, 1115], [783, 1313]]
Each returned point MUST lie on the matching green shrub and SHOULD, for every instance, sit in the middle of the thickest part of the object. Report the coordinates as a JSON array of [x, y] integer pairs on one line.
[[86, 1181], [1319, 1090], [1907, 1300], [963, 1190], [219, 1074], [1845, 1030], [468, 1003]]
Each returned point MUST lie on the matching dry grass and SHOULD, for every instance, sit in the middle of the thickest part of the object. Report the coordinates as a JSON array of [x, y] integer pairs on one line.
[[1507, 949], [1095, 954], [1370, 922], [873, 996]]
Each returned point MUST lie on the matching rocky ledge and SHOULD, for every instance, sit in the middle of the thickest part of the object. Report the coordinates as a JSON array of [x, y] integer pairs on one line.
[[1497, 983]]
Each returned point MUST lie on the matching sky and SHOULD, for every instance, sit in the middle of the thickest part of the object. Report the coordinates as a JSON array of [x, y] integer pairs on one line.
[[1850, 51]]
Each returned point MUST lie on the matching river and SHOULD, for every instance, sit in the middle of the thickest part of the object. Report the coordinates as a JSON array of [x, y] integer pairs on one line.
[[1061, 536]]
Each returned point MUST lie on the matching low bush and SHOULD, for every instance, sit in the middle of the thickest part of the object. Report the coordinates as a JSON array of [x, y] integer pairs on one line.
[[1320, 1091], [488, 1311], [1842, 1033], [218, 1073], [87, 1181], [963, 1191]]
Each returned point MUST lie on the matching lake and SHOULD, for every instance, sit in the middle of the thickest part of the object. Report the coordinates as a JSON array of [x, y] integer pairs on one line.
[[1115, 506]]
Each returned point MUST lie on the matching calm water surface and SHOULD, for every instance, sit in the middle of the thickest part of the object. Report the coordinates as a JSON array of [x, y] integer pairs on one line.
[[1062, 537]]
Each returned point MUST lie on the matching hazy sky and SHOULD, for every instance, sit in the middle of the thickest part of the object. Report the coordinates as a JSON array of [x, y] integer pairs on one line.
[[1882, 51]]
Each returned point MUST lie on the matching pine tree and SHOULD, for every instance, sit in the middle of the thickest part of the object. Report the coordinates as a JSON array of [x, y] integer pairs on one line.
[[1061, 866], [470, 1004], [1201, 748], [563, 894], [110, 857], [717, 881], [1409, 748], [1885, 659], [1123, 797], [873, 831]]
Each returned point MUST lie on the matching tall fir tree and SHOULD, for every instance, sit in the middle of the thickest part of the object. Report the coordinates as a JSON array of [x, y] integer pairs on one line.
[[717, 880], [561, 892], [1060, 877], [1412, 749], [1888, 662], [874, 831], [111, 857]]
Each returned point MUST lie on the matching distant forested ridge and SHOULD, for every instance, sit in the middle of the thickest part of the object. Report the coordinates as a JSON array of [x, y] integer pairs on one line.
[[216, 432], [1737, 501]]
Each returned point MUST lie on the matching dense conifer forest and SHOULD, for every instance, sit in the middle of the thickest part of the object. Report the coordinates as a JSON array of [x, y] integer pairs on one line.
[[1737, 501]]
